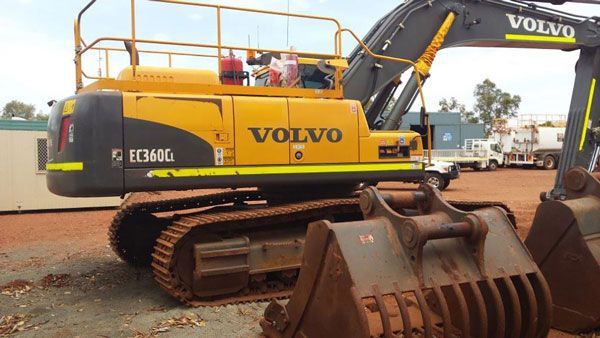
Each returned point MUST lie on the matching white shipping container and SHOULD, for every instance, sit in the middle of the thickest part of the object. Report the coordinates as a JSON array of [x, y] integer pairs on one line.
[[23, 158]]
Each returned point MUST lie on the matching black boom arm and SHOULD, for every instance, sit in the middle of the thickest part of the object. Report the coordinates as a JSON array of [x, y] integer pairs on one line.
[[406, 32]]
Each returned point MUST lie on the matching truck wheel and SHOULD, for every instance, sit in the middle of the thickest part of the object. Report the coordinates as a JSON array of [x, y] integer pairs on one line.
[[492, 166], [436, 180], [549, 162]]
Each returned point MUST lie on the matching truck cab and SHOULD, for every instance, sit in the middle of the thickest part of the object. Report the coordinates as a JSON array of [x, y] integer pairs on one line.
[[487, 148]]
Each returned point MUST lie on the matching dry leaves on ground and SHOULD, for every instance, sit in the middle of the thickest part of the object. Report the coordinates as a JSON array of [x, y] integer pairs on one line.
[[189, 320], [57, 281], [16, 288], [13, 323]]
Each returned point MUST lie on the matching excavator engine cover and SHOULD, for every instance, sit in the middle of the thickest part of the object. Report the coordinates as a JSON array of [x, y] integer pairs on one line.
[[415, 266], [565, 242]]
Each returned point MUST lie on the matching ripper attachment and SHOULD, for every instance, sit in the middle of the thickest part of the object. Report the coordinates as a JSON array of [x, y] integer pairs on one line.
[[414, 266]]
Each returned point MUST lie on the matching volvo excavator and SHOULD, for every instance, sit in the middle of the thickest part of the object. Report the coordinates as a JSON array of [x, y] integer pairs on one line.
[[407, 263]]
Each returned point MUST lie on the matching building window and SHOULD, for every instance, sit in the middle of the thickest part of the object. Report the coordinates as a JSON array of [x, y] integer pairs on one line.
[[42, 154]]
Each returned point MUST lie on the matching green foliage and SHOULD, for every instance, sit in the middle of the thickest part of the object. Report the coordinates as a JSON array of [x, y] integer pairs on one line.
[[41, 116], [16, 108], [452, 105], [493, 103]]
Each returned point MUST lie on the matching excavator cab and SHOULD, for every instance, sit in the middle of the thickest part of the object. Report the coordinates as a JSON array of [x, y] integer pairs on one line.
[[311, 71]]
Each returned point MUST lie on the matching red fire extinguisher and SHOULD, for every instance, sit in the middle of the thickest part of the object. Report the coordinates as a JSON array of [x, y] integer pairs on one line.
[[232, 71]]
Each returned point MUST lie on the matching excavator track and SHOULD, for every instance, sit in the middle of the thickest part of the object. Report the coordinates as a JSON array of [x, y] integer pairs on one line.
[[166, 255], [136, 219], [141, 238]]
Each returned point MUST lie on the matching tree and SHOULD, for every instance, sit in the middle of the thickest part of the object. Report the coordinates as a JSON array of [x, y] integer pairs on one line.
[[40, 116], [452, 105], [492, 103], [16, 108]]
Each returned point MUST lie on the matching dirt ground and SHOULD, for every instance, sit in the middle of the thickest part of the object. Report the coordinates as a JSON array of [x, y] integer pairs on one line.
[[62, 280]]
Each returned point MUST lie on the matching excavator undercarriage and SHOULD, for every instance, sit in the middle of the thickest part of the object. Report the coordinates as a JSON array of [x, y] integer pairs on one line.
[[228, 247]]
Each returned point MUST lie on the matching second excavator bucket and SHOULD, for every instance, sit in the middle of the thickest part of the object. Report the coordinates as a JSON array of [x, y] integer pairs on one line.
[[565, 242], [415, 266]]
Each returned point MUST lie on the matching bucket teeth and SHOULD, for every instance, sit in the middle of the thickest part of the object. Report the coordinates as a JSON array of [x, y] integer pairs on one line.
[[431, 275], [515, 309], [464, 311], [406, 323], [445, 311]]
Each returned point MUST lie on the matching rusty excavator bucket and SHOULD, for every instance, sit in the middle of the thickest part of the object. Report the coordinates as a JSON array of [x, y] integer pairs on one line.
[[415, 266], [565, 243]]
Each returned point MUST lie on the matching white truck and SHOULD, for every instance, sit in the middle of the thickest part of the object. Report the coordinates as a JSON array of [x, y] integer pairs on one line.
[[477, 154], [529, 146], [438, 174], [532, 146]]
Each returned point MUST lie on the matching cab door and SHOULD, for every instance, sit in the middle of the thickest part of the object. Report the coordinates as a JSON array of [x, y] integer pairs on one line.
[[323, 131]]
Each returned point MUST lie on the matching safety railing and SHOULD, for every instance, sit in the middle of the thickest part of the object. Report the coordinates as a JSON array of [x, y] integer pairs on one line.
[[81, 47], [419, 66]]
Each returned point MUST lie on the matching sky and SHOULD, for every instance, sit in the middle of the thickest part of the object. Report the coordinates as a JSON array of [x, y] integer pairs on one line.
[[36, 59]]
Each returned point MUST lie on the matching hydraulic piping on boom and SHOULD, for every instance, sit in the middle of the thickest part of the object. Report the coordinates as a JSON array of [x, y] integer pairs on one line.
[[418, 77]]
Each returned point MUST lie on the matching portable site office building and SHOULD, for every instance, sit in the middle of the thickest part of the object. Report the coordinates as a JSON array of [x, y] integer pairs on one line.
[[23, 157]]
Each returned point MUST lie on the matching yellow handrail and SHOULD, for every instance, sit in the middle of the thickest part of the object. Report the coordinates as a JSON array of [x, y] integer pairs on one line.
[[81, 47], [262, 11]]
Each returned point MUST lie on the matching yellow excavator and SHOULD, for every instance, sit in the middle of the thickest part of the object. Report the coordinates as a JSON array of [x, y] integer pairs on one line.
[[295, 148]]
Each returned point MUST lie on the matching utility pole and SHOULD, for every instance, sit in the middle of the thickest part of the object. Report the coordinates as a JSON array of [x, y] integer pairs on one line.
[[287, 44]]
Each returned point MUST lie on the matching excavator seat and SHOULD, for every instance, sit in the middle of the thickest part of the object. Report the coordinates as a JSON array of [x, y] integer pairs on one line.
[[415, 266], [565, 242]]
